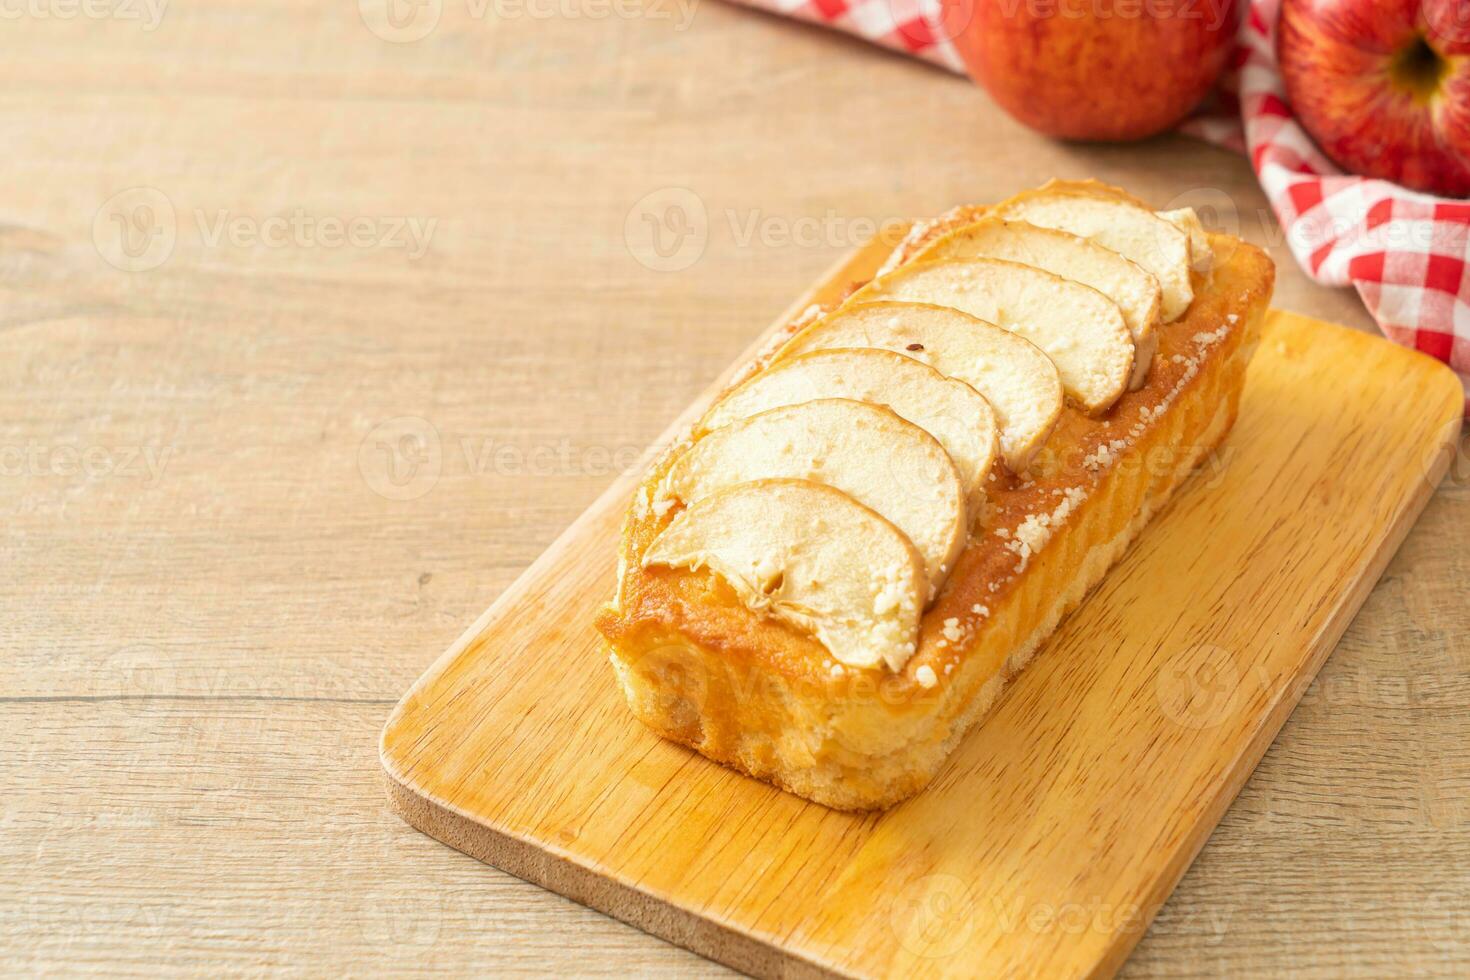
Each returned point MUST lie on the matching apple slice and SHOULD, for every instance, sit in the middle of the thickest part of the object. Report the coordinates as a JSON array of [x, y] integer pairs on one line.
[[1130, 286], [1201, 254], [866, 451], [949, 410], [1090, 210], [812, 557], [1019, 381], [1079, 328]]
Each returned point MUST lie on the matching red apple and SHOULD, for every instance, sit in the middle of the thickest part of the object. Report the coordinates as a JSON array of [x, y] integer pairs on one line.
[[1383, 86], [1097, 69]]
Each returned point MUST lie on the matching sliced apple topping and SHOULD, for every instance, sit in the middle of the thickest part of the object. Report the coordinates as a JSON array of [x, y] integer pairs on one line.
[[810, 556], [1129, 285], [1201, 255], [1090, 210], [1079, 328], [866, 451], [1019, 381], [949, 410]]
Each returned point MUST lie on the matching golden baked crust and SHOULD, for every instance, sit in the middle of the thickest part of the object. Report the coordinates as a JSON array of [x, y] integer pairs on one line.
[[700, 668]]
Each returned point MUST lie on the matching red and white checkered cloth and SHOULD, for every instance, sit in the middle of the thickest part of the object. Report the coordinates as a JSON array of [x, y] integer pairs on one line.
[[1405, 252]]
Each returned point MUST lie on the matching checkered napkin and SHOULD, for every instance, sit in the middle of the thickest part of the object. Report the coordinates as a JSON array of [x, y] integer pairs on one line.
[[1405, 253]]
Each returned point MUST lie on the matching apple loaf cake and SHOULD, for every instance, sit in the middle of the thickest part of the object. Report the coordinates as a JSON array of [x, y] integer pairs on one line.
[[831, 577]]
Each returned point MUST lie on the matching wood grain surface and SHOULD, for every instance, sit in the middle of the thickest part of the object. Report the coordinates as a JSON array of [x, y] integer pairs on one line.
[[197, 653], [1053, 834]]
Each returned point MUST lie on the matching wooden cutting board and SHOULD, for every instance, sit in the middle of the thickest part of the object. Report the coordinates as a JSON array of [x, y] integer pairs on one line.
[[1057, 829]]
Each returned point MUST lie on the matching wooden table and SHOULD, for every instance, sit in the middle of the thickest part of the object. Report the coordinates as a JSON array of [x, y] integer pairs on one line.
[[313, 340]]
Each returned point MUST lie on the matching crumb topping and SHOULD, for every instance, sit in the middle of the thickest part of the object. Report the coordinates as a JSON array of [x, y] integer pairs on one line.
[[1036, 530]]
